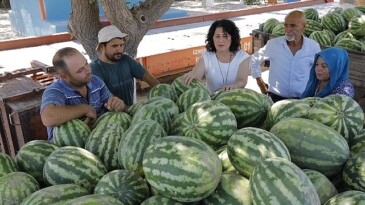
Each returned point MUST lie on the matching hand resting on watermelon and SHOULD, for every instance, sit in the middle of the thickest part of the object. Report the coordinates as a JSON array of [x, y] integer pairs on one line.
[[224, 65]]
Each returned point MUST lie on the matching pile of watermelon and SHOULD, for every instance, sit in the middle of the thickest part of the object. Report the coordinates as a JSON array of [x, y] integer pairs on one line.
[[339, 27], [184, 146]]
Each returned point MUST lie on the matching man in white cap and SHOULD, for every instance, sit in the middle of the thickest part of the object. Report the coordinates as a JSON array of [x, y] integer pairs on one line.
[[116, 69]]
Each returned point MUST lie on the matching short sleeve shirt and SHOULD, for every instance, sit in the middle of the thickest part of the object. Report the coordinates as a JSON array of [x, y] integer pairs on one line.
[[119, 77], [60, 93]]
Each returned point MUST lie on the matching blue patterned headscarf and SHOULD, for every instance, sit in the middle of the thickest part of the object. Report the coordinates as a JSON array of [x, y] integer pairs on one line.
[[337, 61]]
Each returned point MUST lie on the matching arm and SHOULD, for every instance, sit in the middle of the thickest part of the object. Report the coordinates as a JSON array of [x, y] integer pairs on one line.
[[255, 65], [55, 115], [150, 79], [242, 75], [197, 73]]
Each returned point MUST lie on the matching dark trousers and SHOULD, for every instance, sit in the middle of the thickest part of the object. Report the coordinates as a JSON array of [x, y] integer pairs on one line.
[[275, 97]]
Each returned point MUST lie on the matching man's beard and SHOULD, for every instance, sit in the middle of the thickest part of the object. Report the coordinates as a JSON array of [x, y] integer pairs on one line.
[[289, 37], [113, 57]]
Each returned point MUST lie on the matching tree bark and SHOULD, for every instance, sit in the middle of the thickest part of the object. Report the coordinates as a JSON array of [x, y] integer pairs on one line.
[[85, 24]]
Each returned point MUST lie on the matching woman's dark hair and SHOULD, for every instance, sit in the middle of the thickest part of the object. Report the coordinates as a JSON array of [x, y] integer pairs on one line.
[[229, 27]]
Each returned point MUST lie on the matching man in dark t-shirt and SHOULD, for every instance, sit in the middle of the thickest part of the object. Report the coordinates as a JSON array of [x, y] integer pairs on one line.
[[116, 69]]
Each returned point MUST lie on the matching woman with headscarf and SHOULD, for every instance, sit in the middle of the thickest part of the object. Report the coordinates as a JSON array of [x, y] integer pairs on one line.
[[329, 74]]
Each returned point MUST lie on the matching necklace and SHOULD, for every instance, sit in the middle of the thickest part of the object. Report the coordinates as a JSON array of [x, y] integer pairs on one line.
[[224, 80]]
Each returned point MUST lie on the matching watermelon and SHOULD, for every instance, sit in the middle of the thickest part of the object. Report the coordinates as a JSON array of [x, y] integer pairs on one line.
[[352, 197], [270, 24], [55, 195], [357, 25], [248, 106], [279, 29], [232, 189], [156, 113], [223, 156], [180, 87], [163, 90], [95, 199], [122, 118], [323, 37], [348, 13], [127, 186], [334, 22], [191, 96], [16, 186], [337, 10], [357, 143], [159, 200], [312, 26], [175, 124], [135, 141], [73, 165], [158, 101], [182, 168], [325, 188], [361, 8], [340, 112], [289, 108], [351, 45], [103, 142], [72, 133], [353, 172], [249, 146], [311, 14], [209, 121], [279, 181], [343, 34], [7, 165], [32, 156], [313, 145]]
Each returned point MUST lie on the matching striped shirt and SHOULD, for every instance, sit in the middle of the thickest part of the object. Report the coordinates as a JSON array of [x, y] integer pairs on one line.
[[60, 93]]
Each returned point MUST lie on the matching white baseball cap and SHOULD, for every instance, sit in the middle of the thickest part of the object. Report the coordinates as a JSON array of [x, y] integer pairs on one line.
[[108, 33]]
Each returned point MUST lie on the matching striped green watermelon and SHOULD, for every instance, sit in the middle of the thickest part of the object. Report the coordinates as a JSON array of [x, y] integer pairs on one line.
[[357, 25], [176, 128], [334, 22], [353, 172], [357, 143], [55, 195], [343, 34], [325, 188], [191, 96], [269, 25], [209, 121], [15, 187], [340, 112], [311, 100], [322, 37], [232, 189], [279, 29], [351, 45], [182, 168], [127, 186], [72, 133], [73, 165], [180, 87], [313, 145], [32, 156], [163, 90], [249, 146], [223, 156], [279, 181], [95, 199], [348, 13], [248, 106], [7, 165], [311, 14], [103, 142], [361, 8], [312, 26], [160, 200], [135, 141], [286, 109], [158, 101], [122, 118], [337, 10], [352, 197], [156, 113]]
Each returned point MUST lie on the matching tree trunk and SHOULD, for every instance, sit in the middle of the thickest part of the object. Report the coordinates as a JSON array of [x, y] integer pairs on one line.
[[85, 24]]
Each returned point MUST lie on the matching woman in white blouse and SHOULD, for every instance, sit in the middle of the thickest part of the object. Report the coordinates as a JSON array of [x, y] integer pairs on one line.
[[224, 65]]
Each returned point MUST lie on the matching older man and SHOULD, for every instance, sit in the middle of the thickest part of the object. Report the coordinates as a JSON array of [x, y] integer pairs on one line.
[[117, 69], [291, 58], [77, 94]]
